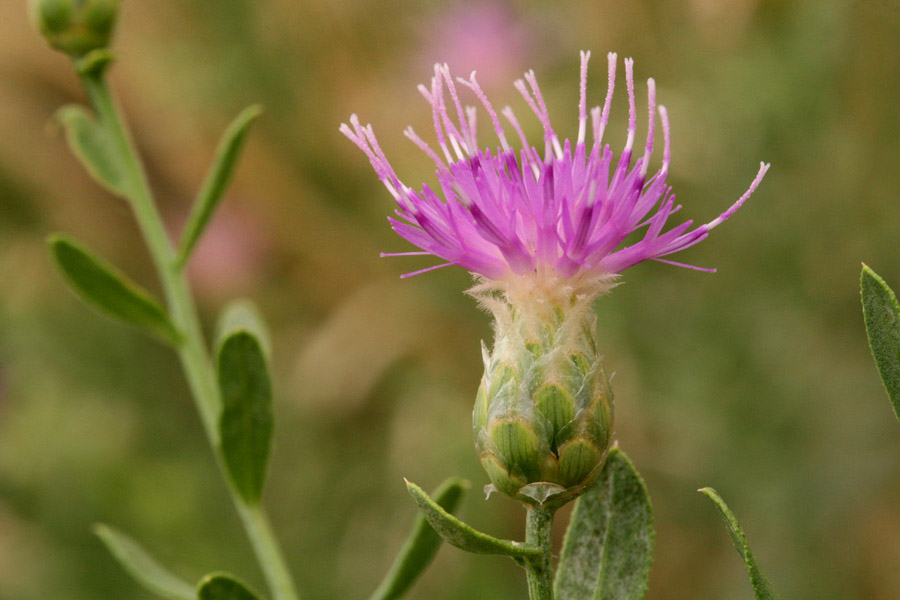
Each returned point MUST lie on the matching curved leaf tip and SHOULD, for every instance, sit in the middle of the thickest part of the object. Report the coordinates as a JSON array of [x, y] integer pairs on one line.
[[881, 313], [762, 588]]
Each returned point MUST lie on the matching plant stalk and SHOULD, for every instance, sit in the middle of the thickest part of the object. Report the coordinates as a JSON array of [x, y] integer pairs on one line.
[[192, 351], [538, 532]]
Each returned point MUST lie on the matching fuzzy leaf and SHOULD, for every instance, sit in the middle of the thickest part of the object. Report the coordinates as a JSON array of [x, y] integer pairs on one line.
[[882, 316], [90, 143], [246, 423], [222, 586], [762, 589], [106, 288], [144, 568], [463, 536], [421, 546], [608, 548], [217, 179]]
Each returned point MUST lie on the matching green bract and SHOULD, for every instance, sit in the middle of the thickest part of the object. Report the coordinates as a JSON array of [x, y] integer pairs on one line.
[[543, 414], [75, 26]]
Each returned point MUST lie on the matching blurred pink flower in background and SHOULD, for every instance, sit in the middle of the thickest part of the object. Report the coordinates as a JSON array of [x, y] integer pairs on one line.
[[488, 37], [230, 258]]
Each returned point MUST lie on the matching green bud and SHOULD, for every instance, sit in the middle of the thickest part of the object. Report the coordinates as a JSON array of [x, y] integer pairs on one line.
[[543, 414], [75, 27]]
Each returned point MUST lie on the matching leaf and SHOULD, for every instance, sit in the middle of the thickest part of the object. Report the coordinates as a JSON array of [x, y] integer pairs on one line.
[[91, 144], [222, 586], [144, 568], [882, 316], [103, 286], [246, 423], [762, 589], [421, 546], [217, 180], [608, 548], [243, 314], [463, 536]]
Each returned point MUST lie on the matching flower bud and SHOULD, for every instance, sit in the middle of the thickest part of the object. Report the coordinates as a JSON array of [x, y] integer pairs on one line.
[[543, 414], [75, 26]]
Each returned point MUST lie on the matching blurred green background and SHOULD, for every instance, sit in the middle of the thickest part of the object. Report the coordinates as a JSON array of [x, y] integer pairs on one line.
[[756, 380]]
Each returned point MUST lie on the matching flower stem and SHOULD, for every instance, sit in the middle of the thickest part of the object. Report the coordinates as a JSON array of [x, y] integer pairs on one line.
[[538, 532], [192, 351]]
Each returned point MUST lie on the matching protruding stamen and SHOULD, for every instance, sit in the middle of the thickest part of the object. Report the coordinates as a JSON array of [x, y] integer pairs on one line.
[[582, 96], [667, 155], [763, 167], [431, 97], [452, 133], [358, 137], [526, 148], [536, 102], [390, 254], [632, 110], [442, 121], [651, 102], [595, 123], [464, 133], [472, 84], [420, 271], [602, 119], [369, 134], [472, 116], [424, 147], [685, 265]]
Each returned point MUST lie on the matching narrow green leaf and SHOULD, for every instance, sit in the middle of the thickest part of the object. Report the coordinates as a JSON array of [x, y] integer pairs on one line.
[[882, 315], [106, 288], [762, 589], [222, 586], [217, 179], [91, 144], [243, 314], [144, 568], [463, 536], [421, 546], [608, 548], [246, 423]]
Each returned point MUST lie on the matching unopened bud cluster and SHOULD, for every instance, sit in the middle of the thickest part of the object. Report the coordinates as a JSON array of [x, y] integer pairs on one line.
[[544, 410], [75, 26]]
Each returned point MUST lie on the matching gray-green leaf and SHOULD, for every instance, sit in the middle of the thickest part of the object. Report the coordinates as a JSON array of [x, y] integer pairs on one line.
[[246, 423], [421, 546], [106, 288], [91, 144], [882, 315], [608, 548], [762, 589], [222, 586], [145, 569], [217, 180], [463, 536]]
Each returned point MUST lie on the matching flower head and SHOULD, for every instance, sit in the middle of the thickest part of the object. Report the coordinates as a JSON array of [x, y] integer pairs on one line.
[[544, 231], [558, 216]]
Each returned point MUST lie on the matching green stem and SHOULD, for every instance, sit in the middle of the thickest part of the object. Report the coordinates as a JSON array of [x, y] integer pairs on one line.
[[194, 356], [538, 532]]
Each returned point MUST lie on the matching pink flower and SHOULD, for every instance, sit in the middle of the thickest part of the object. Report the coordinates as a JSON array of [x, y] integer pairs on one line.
[[561, 214]]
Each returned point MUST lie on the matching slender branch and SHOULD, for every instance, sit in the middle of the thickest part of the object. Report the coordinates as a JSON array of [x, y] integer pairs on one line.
[[538, 532], [194, 356]]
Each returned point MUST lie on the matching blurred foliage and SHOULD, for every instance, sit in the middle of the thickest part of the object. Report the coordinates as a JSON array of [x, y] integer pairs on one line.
[[756, 380]]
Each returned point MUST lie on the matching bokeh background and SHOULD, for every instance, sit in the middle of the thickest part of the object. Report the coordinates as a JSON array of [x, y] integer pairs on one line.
[[756, 380]]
